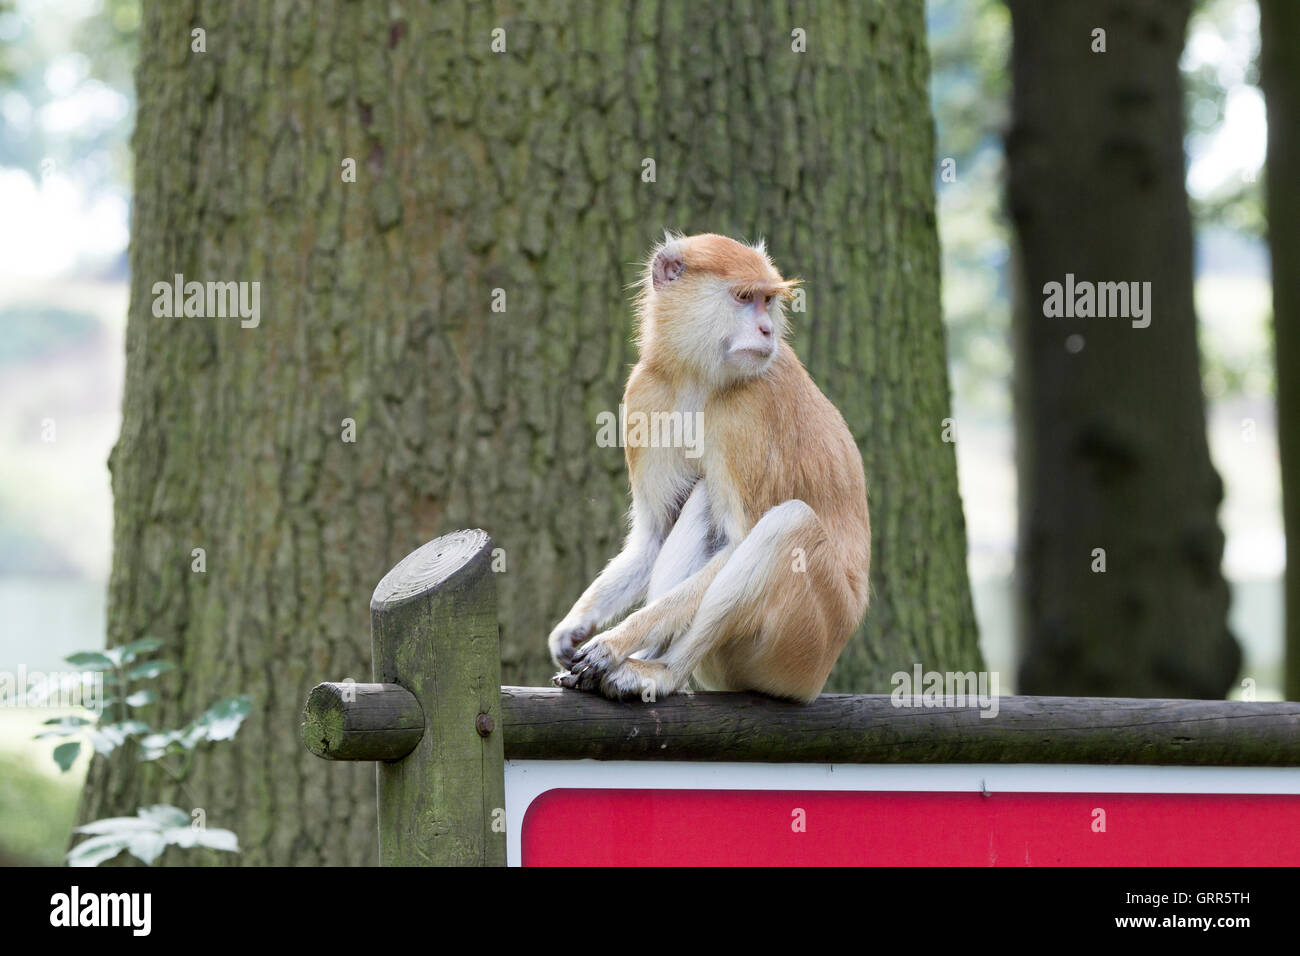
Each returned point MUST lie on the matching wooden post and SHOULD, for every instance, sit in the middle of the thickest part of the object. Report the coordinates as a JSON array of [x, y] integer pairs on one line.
[[433, 623]]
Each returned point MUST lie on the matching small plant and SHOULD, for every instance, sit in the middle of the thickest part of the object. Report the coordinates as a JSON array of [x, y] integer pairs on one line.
[[156, 827], [145, 836]]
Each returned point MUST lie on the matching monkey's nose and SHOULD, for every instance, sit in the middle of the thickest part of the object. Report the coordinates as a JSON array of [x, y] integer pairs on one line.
[[765, 329]]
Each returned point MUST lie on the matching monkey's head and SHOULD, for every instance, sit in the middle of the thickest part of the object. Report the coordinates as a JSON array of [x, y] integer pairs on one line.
[[712, 307]]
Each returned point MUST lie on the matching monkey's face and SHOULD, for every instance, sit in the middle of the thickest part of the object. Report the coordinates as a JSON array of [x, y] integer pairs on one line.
[[723, 330], [754, 334], [714, 305]]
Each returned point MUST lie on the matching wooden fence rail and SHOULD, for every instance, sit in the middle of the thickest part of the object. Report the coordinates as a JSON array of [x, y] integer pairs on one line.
[[549, 724]]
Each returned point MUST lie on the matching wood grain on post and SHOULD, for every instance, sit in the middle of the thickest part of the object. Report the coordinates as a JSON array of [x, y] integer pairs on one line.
[[434, 626], [351, 721]]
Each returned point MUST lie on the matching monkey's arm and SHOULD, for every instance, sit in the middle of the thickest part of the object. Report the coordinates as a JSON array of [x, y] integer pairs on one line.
[[655, 626], [651, 629], [622, 584]]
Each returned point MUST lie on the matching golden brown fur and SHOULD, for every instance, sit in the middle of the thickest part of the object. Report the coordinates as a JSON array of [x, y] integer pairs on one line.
[[778, 583]]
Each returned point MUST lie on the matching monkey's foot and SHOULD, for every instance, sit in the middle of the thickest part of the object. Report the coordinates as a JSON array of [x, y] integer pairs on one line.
[[590, 665], [597, 653], [584, 676], [648, 680], [565, 679]]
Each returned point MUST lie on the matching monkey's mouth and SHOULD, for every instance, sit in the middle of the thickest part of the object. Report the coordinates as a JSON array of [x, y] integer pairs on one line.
[[753, 352]]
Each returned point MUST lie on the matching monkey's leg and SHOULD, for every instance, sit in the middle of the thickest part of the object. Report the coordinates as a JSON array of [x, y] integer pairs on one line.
[[772, 620], [648, 629], [671, 606], [687, 548]]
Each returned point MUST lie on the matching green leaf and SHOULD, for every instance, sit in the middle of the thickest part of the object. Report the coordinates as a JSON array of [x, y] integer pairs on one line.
[[222, 719], [106, 738], [71, 720], [147, 845], [146, 835], [163, 816], [97, 849], [149, 669], [118, 825], [90, 660], [191, 836], [60, 732], [161, 744], [127, 728], [66, 754], [136, 648], [64, 727], [142, 698], [219, 839]]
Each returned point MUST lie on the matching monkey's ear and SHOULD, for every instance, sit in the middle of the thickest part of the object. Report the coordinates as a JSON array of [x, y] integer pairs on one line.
[[667, 266]]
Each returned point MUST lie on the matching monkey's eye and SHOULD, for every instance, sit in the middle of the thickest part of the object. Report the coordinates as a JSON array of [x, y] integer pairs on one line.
[[767, 301], [743, 297]]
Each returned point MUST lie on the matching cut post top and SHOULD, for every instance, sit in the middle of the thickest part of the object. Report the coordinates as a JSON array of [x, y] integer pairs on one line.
[[428, 567]]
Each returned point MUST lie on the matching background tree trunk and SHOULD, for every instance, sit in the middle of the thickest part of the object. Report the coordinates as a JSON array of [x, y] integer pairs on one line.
[[1279, 28], [477, 171], [1110, 438]]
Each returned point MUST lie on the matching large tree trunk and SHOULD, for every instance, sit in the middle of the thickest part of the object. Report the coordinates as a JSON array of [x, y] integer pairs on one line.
[[1279, 28], [1111, 436], [520, 171]]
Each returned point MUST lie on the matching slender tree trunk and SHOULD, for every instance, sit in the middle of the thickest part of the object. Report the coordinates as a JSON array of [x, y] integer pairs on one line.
[[1279, 28], [523, 171], [1114, 466]]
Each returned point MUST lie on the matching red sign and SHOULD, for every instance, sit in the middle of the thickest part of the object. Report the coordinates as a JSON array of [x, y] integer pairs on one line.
[[598, 827]]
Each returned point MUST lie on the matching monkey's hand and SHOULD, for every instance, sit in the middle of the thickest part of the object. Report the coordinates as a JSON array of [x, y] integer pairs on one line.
[[566, 639]]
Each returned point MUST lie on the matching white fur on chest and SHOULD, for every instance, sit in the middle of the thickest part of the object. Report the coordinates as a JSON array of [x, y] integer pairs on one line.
[[675, 450], [675, 487], [689, 544]]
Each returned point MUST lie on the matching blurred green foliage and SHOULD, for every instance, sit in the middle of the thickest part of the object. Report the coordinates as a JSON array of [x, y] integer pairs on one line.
[[34, 44], [115, 722], [36, 813], [1238, 204], [970, 43]]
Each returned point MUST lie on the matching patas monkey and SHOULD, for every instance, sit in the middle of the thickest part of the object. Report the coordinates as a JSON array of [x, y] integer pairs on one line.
[[752, 554]]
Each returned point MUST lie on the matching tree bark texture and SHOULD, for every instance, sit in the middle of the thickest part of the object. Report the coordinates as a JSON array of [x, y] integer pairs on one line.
[[1113, 460], [521, 171], [1279, 28]]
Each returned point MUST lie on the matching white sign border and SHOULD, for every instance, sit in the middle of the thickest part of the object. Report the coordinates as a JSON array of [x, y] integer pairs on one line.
[[526, 780]]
